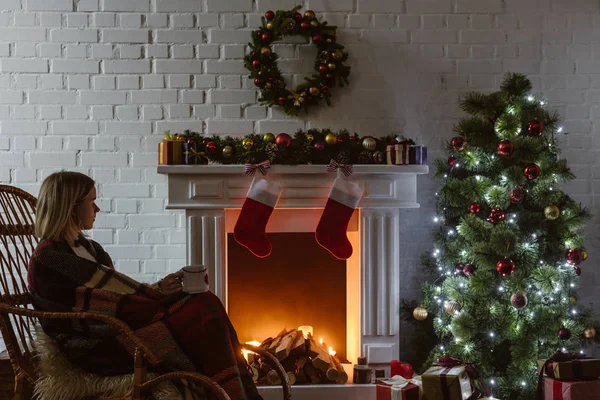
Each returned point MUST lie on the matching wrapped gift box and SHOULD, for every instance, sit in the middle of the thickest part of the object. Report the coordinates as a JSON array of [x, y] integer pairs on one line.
[[576, 390], [397, 388], [417, 155], [585, 368], [397, 154], [170, 150], [446, 383]]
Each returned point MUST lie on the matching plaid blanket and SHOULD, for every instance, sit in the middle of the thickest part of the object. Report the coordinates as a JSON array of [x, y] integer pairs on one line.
[[187, 332]]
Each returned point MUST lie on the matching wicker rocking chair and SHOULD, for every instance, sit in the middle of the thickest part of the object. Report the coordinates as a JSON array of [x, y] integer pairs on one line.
[[18, 321]]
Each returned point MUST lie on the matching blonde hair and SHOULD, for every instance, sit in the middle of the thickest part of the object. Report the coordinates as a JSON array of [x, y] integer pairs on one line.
[[59, 194]]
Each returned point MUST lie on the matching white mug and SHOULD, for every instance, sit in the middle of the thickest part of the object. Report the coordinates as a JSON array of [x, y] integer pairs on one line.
[[195, 279]]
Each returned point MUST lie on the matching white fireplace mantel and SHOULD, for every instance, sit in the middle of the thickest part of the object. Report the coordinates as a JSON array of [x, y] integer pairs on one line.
[[208, 193]]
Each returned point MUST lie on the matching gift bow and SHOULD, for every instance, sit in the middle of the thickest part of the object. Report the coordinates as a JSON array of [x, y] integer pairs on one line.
[[194, 154], [470, 368], [345, 168], [168, 137], [559, 356], [399, 382], [263, 167]]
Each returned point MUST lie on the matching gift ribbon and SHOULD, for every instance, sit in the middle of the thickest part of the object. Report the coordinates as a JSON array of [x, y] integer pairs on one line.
[[399, 382], [263, 167], [449, 362], [168, 137], [194, 155], [559, 356], [346, 169]]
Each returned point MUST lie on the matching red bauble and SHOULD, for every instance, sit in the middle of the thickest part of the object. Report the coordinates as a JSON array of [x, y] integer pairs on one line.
[[564, 333], [283, 140], [505, 267], [469, 269], [259, 81], [451, 161], [317, 38], [297, 16], [269, 15], [305, 25], [406, 371], [475, 208], [518, 300], [323, 68], [281, 100], [574, 256], [531, 171], [211, 148], [496, 215], [459, 269], [256, 63], [329, 76], [535, 127], [516, 195], [266, 38], [505, 148], [458, 143], [577, 271], [324, 89], [319, 146], [340, 140]]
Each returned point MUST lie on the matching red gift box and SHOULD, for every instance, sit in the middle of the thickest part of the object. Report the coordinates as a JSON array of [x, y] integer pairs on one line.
[[387, 391], [574, 390], [397, 154]]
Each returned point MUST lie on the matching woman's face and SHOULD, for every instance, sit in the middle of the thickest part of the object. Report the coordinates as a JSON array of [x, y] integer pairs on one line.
[[86, 210]]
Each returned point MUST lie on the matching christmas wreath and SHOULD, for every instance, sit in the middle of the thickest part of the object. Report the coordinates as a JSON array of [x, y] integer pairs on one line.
[[262, 61]]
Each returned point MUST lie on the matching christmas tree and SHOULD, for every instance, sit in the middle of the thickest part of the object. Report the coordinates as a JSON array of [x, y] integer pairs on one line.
[[508, 243]]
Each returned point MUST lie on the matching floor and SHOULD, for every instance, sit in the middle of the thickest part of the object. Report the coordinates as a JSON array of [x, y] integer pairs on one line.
[[7, 379]]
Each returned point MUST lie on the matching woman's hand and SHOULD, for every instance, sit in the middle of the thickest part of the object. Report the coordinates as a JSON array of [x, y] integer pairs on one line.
[[171, 283]]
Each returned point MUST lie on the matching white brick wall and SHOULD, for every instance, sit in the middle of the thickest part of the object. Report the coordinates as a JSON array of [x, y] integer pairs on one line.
[[91, 85]]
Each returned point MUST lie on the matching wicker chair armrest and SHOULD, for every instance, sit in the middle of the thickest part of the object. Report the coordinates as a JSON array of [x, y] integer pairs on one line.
[[211, 386], [123, 328], [285, 382]]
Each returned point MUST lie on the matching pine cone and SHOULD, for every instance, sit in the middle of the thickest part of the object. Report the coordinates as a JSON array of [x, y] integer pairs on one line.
[[271, 150], [365, 157], [343, 158]]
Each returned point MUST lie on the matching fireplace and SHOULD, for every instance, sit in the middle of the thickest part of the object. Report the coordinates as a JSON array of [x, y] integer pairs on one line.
[[353, 305]]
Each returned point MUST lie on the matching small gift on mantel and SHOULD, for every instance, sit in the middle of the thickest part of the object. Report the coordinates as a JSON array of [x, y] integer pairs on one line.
[[566, 367], [417, 155], [192, 155], [398, 153], [170, 149], [575, 390], [399, 388]]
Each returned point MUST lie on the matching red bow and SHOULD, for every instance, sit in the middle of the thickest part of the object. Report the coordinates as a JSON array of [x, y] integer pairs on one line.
[[345, 168], [263, 167]]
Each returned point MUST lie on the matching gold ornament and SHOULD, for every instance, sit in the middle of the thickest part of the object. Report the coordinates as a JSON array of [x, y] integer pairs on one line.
[[309, 137], [265, 51], [331, 65], [584, 254], [369, 143], [551, 212], [314, 91], [331, 139], [589, 333], [420, 313], [270, 25], [269, 137], [378, 157], [328, 40], [314, 23], [227, 151], [310, 14], [268, 85], [573, 299], [338, 54], [247, 143], [452, 307]]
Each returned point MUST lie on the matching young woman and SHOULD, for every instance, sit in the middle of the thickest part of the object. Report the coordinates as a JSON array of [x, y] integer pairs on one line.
[[68, 272]]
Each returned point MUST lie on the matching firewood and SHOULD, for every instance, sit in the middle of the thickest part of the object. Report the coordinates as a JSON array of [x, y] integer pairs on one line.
[[273, 378], [277, 341], [290, 364], [255, 373], [301, 361], [321, 358], [311, 373], [301, 376], [291, 377], [285, 346], [265, 367], [299, 346], [342, 376]]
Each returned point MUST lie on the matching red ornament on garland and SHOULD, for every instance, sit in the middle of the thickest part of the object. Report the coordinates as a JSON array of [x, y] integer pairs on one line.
[[269, 15], [283, 140], [305, 25], [531, 171], [297, 16], [457, 143], [469, 269], [328, 76], [266, 38], [516, 195], [451, 161], [282, 100], [518, 300], [259, 81], [564, 333], [574, 256], [475, 208], [505, 148], [577, 271], [535, 127], [317, 38], [505, 267], [324, 89], [319, 146], [211, 148], [255, 63], [496, 216], [323, 68]]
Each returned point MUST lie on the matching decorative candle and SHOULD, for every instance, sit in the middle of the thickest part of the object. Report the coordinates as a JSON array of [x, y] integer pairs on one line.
[[395, 367], [306, 329]]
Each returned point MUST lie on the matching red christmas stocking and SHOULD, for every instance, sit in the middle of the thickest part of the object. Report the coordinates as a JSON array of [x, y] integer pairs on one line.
[[331, 231], [251, 225]]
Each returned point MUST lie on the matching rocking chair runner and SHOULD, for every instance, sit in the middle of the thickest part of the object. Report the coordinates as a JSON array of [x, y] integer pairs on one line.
[[18, 320]]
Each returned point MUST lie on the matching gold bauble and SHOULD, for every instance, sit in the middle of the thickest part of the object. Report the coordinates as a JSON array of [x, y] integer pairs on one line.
[[331, 138], [309, 137], [331, 65], [329, 40], [369, 143], [314, 91], [265, 51], [338, 54], [379, 157], [268, 85], [227, 151], [589, 333], [420, 313], [452, 307], [551, 212], [270, 25], [584, 255], [573, 299], [247, 143], [310, 14], [269, 137], [314, 23]]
